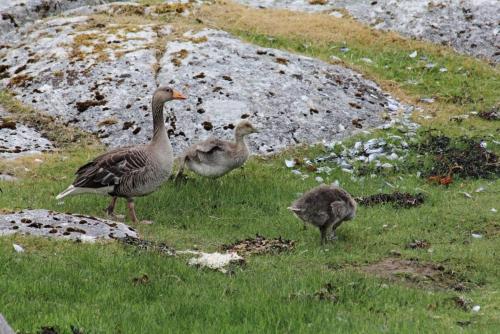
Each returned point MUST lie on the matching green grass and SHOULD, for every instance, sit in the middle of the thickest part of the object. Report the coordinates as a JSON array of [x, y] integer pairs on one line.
[[90, 286], [60, 284], [466, 83]]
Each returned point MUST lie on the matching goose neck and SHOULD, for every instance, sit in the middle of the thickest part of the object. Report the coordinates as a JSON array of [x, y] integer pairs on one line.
[[159, 131]]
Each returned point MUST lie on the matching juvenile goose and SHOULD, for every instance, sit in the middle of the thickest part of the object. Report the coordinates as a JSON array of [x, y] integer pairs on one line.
[[215, 157], [130, 171], [325, 207]]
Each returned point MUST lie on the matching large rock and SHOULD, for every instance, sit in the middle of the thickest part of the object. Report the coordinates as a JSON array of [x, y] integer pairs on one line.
[[470, 27], [291, 99], [63, 226], [17, 139], [4, 326], [98, 78], [16, 13]]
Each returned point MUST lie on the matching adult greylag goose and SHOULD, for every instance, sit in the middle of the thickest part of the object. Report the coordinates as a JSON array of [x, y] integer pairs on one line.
[[215, 157], [130, 171], [325, 207]]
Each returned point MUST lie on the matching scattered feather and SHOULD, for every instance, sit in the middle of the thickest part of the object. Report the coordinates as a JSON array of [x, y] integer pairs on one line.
[[18, 248], [466, 194]]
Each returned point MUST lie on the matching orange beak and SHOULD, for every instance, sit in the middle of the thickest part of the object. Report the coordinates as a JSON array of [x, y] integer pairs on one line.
[[178, 95]]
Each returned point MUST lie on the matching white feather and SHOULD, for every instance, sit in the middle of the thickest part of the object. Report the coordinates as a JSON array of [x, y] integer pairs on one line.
[[72, 190], [18, 248]]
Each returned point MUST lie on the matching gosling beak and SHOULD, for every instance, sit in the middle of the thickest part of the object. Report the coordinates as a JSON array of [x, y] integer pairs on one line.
[[178, 95]]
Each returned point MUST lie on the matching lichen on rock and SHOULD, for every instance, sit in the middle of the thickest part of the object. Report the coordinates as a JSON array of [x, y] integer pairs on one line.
[[83, 74], [291, 99], [18, 139], [63, 226]]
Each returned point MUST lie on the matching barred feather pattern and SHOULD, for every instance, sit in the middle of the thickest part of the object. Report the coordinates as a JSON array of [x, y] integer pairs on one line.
[[133, 170]]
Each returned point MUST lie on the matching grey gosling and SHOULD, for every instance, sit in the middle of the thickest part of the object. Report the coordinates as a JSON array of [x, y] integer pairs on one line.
[[325, 207], [130, 171], [215, 157]]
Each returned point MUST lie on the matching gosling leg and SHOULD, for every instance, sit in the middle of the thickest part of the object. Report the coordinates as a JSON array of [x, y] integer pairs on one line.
[[180, 175]]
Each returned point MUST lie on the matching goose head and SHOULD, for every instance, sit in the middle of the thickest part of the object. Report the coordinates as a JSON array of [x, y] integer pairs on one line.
[[164, 94], [245, 128]]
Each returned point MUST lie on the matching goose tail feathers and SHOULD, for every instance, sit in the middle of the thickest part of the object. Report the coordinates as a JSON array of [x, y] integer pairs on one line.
[[71, 189]]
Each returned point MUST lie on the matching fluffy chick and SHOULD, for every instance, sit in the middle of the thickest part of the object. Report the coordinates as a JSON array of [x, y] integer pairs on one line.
[[325, 207]]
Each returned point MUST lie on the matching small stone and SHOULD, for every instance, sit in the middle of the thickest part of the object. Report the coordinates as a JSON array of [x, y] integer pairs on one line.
[[372, 157], [427, 100], [413, 54], [393, 156], [319, 179], [367, 60], [387, 165], [476, 308], [493, 210], [476, 235], [375, 150], [8, 178], [336, 14], [392, 106], [290, 163]]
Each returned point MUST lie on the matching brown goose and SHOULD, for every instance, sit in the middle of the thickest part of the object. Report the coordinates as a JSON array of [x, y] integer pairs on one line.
[[215, 157], [325, 207], [130, 171]]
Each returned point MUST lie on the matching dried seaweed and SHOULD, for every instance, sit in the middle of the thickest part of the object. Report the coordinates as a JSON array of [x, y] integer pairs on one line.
[[462, 157], [148, 245], [260, 245], [398, 199]]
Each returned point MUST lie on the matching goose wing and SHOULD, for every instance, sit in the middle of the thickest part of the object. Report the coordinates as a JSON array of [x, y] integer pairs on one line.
[[205, 151], [110, 168]]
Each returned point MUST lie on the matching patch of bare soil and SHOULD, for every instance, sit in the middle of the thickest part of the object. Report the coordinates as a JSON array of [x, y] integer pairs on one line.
[[398, 199], [415, 273], [260, 245]]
